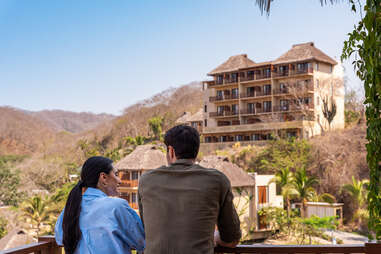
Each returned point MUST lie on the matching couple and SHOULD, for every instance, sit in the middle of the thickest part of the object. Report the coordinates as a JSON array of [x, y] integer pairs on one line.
[[180, 206]]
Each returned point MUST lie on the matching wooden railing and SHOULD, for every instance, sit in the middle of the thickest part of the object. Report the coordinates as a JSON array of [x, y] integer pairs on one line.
[[47, 245], [129, 183]]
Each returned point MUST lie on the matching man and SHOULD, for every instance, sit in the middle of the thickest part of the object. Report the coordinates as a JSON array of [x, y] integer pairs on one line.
[[180, 205]]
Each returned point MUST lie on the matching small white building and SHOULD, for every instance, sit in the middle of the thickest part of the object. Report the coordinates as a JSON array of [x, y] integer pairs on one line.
[[324, 209]]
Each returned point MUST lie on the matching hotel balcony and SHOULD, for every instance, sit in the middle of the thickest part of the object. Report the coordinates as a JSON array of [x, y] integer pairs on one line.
[[47, 245], [223, 114], [129, 183], [293, 90], [255, 94], [223, 98], [255, 77], [255, 111], [289, 73], [292, 108]]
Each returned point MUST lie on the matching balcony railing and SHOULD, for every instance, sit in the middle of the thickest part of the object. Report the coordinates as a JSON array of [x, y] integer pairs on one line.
[[301, 71], [255, 77], [47, 245], [248, 111], [280, 74], [223, 98], [255, 94], [286, 108], [129, 183], [223, 113]]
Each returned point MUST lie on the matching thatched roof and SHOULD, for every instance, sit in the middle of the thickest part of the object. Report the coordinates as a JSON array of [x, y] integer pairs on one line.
[[234, 63], [144, 157], [197, 117], [237, 176], [304, 51], [184, 118], [15, 238]]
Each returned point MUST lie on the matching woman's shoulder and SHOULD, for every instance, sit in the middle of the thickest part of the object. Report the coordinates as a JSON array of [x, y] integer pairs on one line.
[[112, 202]]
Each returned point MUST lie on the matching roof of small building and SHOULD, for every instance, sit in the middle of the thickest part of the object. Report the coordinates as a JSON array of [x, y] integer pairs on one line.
[[197, 117], [144, 157], [237, 176], [15, 238], [324, 204], [234, 63], [184, 118], [304, 51]]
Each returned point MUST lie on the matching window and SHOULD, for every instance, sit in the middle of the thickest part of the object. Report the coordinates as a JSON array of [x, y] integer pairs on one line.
[[267, 106], [256, 137], [262, 194], [205, 122], [250, 108], [330, 68], [220, 110], [250, 74], [238, 138], [234, 93], [234, 77], [307, 100], [194, 125], [205, 108], [220, 79], [317, 83], [134, 197], [317, 101], [267, 72], [235, 109], [135, 175], [317, 66], [278, 189], [220, 94], [267, 89], [284, 105], [125, 176]]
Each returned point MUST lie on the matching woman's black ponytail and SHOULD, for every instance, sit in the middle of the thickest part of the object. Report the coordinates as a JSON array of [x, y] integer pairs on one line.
[[91, 170]]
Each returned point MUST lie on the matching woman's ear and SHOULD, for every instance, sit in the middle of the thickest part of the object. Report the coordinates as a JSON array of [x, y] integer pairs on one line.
[[102, 181]]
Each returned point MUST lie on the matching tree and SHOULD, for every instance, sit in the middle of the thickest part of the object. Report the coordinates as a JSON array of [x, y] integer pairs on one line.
[[284, 178], [357, 190], [364, 42], [37, 210], [9, 184], [155, 124], [303, 185], [329, 110], [3, 227]]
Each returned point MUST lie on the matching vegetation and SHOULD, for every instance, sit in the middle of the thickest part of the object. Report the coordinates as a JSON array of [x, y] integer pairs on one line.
[[303, 185], [9, 181], [155, 124], [285, 179], [3, 227], [364, 42]]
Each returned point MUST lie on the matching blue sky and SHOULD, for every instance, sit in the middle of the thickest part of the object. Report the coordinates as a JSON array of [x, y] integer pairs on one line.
[[102, 56]]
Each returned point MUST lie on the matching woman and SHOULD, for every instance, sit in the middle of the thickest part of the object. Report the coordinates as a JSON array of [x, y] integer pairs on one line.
[[95, 222]]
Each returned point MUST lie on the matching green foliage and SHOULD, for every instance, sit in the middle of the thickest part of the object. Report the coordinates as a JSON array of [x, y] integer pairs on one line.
[[9, 184], [364, 42], [38, 211], [358, 191], [3, 227], [283, 153], [156, 125], [303, 185], [351, 116]]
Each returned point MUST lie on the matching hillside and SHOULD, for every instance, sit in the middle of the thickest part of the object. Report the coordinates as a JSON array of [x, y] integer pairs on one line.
[[60, 120], [21, 133], [169, 104]]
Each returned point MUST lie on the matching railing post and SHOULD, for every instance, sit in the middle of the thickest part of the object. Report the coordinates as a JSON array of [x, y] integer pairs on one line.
[[373, 248], [53, 248]]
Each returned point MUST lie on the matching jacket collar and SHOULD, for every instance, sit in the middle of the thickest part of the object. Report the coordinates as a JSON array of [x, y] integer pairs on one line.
[[93, 193], [187, 162]]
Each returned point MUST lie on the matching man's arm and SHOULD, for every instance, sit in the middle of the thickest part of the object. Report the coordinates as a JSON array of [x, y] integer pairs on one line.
[[228, 221], [218, 241]]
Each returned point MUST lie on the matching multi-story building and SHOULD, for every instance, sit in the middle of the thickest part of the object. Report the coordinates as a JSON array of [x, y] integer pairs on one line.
[[290, 96]]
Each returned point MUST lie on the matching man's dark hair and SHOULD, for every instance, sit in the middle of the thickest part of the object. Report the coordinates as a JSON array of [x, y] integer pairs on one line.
[[185, 140]]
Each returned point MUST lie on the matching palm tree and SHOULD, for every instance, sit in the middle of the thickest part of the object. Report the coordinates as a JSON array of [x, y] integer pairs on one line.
[[264, 5], [303, 185], [284, 178], [357, 190], [37, 210]]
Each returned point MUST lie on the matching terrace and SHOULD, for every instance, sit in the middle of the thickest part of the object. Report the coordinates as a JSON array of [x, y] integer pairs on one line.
[[47, 245]]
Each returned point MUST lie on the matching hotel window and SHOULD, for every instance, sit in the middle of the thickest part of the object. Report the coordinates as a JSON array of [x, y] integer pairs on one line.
[[234, 77], [194, 125], [284, 105], [238, 138], [250, 74], [256, 137], [267, 72], [317, 83], [220, 79], [267, 89], [234, 93], [250, 108], [267, 106], [220, 94], [220, 110], [330, 68], [317, 66], [134, 197], [205, 122], [262, 194], [135, 175], [205, 108], [235, 109]]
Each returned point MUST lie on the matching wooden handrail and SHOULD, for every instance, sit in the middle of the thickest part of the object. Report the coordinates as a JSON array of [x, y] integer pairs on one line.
[[47, 245]]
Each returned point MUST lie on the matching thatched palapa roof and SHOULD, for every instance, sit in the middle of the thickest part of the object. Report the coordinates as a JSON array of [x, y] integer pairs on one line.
[[184, 118], [197, 117], [237, 176], [304, 51], [144, 157], [234, 63], [17, 237]]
